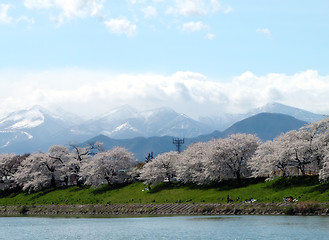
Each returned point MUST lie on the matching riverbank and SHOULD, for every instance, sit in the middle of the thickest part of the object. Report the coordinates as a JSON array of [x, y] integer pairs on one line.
[[303, 189], [101, 210]]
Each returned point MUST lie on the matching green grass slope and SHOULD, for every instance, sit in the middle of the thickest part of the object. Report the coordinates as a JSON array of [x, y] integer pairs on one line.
[[301, 188]]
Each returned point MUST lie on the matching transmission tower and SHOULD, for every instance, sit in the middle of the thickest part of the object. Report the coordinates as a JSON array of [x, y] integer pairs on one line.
[[178, 142], [149, 158]]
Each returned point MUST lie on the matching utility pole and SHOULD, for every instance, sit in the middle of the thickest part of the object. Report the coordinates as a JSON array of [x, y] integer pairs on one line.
[[178, 142]]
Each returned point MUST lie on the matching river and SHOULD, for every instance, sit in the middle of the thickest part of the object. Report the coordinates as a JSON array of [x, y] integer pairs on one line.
[[180, 227]]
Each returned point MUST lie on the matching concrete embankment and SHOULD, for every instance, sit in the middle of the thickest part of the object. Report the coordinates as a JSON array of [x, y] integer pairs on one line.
[[306, 208]]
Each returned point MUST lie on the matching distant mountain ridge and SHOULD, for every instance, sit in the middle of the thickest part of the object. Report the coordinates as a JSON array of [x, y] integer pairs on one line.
[[297, 113], [37, 129], [224, 121], [265, 125]]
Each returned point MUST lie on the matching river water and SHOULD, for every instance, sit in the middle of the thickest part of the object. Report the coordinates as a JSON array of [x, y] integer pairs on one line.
[[185, 227]]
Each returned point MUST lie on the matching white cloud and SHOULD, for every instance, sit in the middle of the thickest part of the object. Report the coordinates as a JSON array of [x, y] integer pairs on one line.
[[121, 26], [68, 9], [188, 8], [187, 92], [183, 91], [196, 8], [264, 31], [210, 36], [216, 6], [38, 4], [61, 11], [150, 12], [194, 26], [6, 19], [25, 19]]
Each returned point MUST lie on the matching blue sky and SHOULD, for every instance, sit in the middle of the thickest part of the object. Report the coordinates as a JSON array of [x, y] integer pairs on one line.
[[198, 56]]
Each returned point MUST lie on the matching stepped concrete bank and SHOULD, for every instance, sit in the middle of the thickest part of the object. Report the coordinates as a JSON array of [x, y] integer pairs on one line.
[[306, 208]]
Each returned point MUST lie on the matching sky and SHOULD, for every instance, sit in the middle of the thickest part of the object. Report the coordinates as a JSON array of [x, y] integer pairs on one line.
[[199, 57]]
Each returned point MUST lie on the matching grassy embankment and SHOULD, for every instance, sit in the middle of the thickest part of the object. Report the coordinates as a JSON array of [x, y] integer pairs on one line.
[[303, 189]]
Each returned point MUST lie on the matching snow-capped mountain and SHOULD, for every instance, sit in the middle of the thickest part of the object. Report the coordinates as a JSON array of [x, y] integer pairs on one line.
[[126, 122], [35, 125], [291, 111], [37, 129], [118, 120], [223, 121], [25, 119], [166, 122]]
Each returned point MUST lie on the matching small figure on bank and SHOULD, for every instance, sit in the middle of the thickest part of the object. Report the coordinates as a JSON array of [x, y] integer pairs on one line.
[[228, 198]]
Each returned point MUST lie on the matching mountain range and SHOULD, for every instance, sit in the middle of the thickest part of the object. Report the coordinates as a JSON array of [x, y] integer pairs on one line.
[[37, 129], [265, 125]]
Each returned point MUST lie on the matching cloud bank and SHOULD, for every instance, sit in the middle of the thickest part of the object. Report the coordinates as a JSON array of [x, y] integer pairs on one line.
[[90, 93]]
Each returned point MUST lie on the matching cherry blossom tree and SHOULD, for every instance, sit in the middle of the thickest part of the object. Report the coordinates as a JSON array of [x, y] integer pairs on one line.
[[286, 152], [108, 167], [316, 136], [300, 148], [303, 150], [62, 156], [160, 168], [270, 159], [232, 154], [193, 164], [78, 156], [38, 171], [9, 164]]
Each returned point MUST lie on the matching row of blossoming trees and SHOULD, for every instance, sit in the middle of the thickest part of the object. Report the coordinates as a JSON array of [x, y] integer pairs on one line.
[[294, 153], [91, 165], [301, 152]]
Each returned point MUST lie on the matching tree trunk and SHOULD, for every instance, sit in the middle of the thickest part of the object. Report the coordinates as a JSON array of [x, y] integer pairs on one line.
[[238, 176], [53, 182], [66, 181]]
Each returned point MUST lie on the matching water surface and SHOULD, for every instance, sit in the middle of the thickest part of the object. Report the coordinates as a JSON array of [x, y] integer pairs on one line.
[[187, 227]]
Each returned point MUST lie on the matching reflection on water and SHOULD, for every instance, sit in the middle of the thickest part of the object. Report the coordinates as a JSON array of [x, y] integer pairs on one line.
[[187, 227]]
